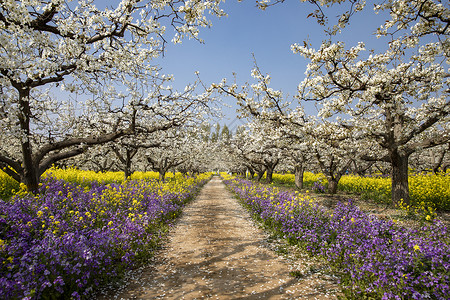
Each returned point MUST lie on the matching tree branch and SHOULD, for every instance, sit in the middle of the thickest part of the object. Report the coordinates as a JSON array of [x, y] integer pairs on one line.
[[15, 165], [46, 163], [434, 118], [427, 143], [10, 171], [93, 140], [385, 158]]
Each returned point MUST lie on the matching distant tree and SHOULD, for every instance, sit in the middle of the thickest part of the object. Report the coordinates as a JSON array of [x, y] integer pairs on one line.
[[225, 134], [436, 159], [258, 148], [216, 134], [99, 159]]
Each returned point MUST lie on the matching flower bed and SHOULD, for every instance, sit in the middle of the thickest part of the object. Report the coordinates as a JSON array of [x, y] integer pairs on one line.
[[373, 258], [427, 190], [71, 238], [8, 186]]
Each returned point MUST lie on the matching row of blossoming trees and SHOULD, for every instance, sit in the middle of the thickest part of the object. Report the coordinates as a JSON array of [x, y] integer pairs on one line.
[[75, 75], [80, 80], [374, 106]]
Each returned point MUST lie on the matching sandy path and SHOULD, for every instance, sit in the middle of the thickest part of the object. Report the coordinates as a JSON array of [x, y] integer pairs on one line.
[[216, 252]]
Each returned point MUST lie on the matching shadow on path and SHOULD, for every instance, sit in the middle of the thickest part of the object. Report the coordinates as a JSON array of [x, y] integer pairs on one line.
[[216, 252]]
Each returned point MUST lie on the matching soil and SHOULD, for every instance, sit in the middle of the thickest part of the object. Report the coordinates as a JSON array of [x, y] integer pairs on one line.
[[216, 251]]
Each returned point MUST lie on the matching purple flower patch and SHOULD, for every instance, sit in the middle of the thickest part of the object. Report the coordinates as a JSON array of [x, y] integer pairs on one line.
[[373, 258], [70, 239]]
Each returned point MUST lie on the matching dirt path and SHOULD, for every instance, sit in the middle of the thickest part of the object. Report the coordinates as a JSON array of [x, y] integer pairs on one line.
[[216, 252]]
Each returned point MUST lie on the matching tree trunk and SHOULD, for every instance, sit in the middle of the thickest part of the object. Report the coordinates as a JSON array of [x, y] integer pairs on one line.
[[127, 172], [260, 175], [31, 179], [399, 176], [332, 185], [270, 167], [162, 175], [30, 168], [269, 174], [299, 170], [127, 166]]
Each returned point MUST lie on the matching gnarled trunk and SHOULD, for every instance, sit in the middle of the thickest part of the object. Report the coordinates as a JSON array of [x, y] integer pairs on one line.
[[269, 174], [162, 175], [270, 167], [30, 176], [298, 173], [260, 174], [333, 184], [399, 176], [127, 172]]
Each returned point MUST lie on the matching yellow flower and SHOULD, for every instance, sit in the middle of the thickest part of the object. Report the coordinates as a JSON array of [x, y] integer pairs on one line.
[[416, 248], [352, 220]]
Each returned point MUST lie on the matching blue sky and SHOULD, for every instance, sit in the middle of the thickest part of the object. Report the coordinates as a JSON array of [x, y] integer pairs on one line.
[[231, 41], [268, 34]]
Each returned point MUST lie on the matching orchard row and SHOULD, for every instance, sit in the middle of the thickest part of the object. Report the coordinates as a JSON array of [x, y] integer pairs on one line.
[[81, 85]]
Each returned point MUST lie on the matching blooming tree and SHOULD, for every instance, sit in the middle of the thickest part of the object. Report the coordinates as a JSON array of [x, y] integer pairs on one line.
[[275, 118], [81, 49], [237, 155], [436, 159], [333, 150], [173, 150], [259, 147], [395, 102], [99, 159], [397, 99]]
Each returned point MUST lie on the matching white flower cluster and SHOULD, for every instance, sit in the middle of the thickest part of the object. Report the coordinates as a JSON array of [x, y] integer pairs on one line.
[[72, 74]]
